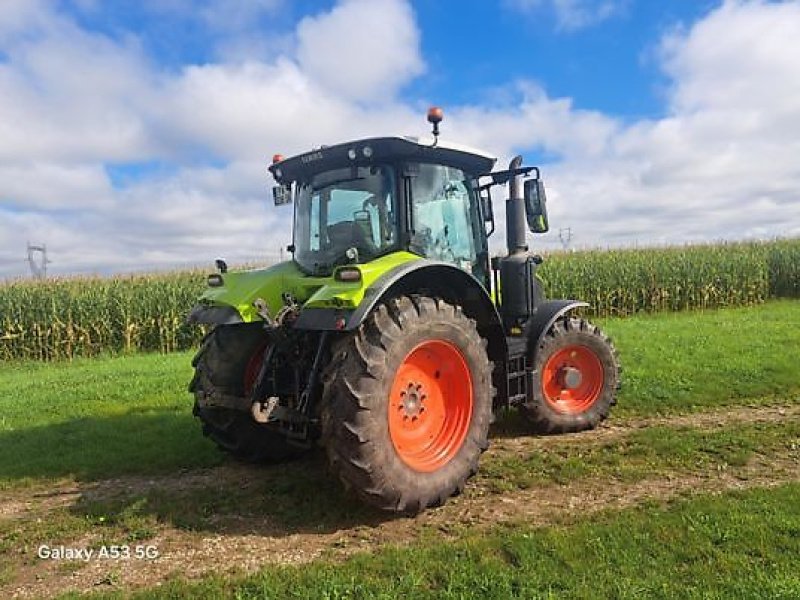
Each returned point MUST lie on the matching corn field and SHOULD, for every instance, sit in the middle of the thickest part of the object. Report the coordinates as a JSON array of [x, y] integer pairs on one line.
[[63, 319], [625, 282]]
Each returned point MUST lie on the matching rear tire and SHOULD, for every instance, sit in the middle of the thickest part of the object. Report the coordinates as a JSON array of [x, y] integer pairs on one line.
[[578, 378], [227, 364], [407, 404]]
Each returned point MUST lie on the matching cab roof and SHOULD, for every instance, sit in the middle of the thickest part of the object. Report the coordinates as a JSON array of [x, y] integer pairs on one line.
[[379, 150]]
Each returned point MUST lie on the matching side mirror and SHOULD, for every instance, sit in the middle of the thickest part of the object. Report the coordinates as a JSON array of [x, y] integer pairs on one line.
[[486, 207], [282, 194], [536, 206]]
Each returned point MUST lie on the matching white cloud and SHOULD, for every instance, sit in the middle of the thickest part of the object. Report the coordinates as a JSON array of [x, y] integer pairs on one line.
[[737, 58], [16, 16], [54, 186], [66, 94], [536, 121], [734, 127], [720, 163], [574, 14], [361, 49], [71, 97]]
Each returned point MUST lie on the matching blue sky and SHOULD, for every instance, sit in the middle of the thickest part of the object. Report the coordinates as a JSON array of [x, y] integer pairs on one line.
[[603, 65], [471, 47], [133, 135]]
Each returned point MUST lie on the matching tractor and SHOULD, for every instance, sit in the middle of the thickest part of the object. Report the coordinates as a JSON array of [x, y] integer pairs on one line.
[[393, 337]]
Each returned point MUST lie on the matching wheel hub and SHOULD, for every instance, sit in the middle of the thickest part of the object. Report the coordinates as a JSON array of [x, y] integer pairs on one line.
[[412, 401], [571, 377]]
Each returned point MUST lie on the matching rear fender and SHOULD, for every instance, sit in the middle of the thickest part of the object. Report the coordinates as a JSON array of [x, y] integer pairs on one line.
[[442, 280], [543, 318], [214, 315]]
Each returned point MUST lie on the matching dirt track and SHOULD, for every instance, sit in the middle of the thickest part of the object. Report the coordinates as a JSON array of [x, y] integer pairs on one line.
[[246, 542]]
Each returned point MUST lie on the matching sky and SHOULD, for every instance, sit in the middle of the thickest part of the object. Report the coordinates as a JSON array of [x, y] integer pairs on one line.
[[134, 135]]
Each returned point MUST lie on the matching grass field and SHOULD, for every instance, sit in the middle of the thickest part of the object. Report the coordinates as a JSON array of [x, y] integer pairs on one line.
[[99, 417], [740, 545], [105, 451]]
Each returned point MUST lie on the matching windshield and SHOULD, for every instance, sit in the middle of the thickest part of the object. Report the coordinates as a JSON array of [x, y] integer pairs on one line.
[[350, 209]]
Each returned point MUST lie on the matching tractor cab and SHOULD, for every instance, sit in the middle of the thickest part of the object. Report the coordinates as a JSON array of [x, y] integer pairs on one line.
[[361, 200]]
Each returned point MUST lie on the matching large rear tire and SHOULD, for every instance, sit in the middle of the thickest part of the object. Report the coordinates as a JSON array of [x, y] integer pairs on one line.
[[407, 404], [579, 376], [227, 365]]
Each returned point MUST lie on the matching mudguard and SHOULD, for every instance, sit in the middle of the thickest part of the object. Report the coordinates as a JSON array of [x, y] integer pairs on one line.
[[214, 315], [543, 318], [445, 281]]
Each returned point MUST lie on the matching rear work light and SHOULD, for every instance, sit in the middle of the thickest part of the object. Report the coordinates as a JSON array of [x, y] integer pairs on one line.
[[348, 275]]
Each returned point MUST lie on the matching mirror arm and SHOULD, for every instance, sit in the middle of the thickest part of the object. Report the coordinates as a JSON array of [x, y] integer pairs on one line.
[[502, 177]]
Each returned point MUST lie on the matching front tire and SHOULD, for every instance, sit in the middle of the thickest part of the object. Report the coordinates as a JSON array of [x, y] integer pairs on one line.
[[408, 404], [578, 378]]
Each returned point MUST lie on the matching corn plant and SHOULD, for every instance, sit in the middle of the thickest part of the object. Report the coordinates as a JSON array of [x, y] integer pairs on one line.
[[66, 318]]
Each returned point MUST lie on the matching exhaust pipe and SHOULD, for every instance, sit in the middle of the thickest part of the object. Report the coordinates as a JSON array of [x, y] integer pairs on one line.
[[515, 212], [520, 293]]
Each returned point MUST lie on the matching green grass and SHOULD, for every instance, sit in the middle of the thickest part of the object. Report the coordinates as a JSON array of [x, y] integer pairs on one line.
[[738, 545], [641, 454], [678, 362], [98, 417], [301, 498], [95, 418]]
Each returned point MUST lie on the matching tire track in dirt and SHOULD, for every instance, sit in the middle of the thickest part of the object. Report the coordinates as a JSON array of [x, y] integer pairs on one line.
[[258, 543], [617, 428], [16, 503]]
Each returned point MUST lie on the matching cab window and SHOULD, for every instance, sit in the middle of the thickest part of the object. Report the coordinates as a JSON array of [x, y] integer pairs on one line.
[[442, 226]]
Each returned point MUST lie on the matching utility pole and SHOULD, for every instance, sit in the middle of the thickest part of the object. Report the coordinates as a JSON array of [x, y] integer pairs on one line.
[[565, 235], [38, 269]]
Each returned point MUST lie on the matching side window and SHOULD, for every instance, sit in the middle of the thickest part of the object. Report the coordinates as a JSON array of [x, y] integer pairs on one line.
[[441, 215]]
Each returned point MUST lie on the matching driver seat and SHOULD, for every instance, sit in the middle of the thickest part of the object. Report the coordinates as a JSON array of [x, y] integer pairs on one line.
[[348, 234]]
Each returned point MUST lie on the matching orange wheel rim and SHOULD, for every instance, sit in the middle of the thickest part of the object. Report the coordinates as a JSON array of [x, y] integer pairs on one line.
[[430, 405], [572, 379]]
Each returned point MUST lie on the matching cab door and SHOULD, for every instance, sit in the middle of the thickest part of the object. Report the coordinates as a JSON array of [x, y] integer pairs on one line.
[[444, 217]]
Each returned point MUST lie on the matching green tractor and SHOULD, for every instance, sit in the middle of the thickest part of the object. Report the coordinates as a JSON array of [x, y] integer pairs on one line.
[[392, 338]]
